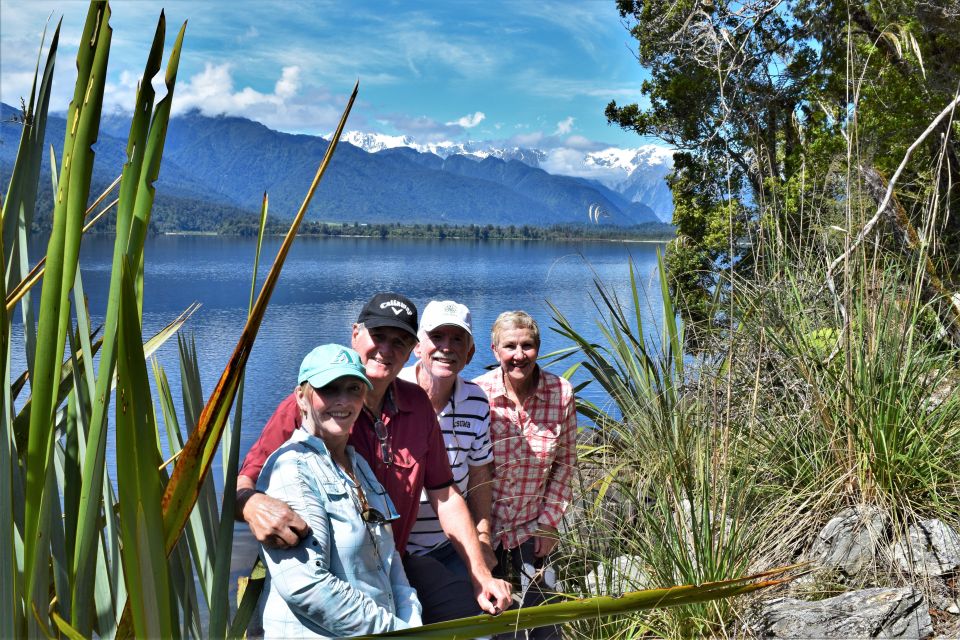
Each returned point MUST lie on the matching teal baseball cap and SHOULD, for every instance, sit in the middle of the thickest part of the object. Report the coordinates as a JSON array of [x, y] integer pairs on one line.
[[328, 362]]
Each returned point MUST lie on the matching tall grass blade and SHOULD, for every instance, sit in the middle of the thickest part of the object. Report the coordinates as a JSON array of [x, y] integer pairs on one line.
[[199, 528], [21, 196], [193, 465], [24, 195], [65, 628], [9, 600], [220, 608], [248, 601], [58, 548], [144, 560], [110, 592], [124, 248], [62, 254]]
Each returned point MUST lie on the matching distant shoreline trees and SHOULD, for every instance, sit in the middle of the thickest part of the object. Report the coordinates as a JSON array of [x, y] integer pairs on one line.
[[648, 231]]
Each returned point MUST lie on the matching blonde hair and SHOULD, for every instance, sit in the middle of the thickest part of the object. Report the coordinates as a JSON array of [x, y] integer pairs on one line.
[[514, 320]]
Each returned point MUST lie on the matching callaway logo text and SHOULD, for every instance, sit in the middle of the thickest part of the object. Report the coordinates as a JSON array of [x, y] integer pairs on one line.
[[396, 306]]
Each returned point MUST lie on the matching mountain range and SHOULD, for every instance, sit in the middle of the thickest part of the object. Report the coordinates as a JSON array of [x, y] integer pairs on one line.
[[215, 168], [637, 174]]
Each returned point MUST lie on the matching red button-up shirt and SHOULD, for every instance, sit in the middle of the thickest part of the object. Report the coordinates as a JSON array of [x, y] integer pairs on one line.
[[419, 454], [534, 455]]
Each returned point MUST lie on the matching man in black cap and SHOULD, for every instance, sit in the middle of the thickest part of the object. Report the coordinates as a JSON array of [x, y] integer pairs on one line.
[[400, 438]]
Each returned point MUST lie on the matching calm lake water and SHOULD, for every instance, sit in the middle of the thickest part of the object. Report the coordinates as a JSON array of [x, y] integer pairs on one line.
[[324, 283]]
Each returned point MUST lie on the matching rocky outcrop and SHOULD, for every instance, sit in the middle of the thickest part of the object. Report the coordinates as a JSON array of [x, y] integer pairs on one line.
[[869, 613], [848, 544], [932, 549]]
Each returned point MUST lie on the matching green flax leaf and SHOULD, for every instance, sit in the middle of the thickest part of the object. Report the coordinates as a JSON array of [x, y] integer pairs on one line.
[[139, 479]]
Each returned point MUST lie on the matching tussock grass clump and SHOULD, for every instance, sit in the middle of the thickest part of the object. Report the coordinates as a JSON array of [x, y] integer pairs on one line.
[[730, 460]]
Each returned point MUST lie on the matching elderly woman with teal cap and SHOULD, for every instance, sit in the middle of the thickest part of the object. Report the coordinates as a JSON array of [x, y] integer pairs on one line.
[[345, 578]]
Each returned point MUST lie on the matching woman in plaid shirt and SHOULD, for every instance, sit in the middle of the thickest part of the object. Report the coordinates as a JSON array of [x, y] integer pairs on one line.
[[533, 426]]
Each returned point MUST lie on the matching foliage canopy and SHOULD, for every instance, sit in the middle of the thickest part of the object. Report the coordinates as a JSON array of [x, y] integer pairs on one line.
[[765, 99]]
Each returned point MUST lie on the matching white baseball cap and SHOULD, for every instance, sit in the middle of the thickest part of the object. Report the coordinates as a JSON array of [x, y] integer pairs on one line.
[[443, 312]]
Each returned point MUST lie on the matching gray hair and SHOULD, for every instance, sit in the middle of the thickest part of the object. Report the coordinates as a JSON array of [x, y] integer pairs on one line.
[[514, 320]]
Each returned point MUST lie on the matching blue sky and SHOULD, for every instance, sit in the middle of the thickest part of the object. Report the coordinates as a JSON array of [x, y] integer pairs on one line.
[[528, 72]]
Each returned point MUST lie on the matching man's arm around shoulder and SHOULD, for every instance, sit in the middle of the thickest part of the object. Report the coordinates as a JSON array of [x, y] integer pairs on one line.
[[272, 522]]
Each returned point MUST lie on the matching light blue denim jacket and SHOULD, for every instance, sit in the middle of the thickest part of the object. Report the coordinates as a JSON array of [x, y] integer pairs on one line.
[[346, 577]]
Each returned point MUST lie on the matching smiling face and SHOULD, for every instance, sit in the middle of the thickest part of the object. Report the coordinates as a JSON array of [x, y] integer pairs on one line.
[[516, 350], [444, 351], [383, 350], [330, 411]]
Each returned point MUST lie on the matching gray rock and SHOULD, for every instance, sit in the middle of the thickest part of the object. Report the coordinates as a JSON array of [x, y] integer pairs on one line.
[[932, 549], [870, 613], [624, 574], [848, 544]]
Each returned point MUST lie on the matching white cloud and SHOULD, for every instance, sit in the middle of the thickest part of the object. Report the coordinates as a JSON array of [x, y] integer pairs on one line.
[[571, 162], [582, 143], [288, 83], [565, 126], [212, 92], [528, 139], [469, 121]]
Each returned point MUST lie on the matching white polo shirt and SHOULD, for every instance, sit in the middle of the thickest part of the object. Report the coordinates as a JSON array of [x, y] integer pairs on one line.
[[465, 423]]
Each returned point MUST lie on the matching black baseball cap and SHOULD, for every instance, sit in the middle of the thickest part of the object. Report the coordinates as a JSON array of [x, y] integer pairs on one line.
[[389, 309]]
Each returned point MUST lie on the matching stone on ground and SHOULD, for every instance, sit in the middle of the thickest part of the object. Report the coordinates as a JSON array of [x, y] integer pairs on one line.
[[869, 613], [932, 549], [848, 544]]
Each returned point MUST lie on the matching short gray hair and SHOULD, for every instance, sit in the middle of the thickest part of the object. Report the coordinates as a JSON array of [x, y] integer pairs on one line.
[[515, 320]]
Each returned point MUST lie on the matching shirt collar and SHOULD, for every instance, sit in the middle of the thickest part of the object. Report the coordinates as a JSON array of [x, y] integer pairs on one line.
[[314, 442], [395, 402], [460, 392], [499, 388]]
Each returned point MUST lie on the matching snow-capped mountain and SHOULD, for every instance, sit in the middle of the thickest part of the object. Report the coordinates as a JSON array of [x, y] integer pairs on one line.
[[626, 161], [637, 173], [374, 142]]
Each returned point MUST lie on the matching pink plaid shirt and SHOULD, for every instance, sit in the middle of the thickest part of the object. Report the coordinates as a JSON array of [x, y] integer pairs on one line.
[[534, 455]]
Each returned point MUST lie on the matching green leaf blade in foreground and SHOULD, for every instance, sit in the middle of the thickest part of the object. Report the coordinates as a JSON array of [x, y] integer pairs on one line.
[[8, 561], [220, 608], [194, 463], [588, 608], [138, 479], [20, 200], [93, 477], [62, 256]]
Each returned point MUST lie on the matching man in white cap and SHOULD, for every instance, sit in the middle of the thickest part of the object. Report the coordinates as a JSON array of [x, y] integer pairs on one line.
[[445, 348]]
